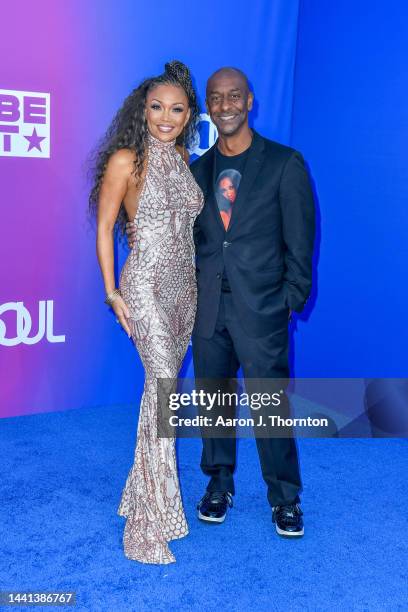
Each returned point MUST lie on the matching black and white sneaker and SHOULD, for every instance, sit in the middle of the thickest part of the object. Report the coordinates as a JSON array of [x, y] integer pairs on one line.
[[212, 508], [288, 520]]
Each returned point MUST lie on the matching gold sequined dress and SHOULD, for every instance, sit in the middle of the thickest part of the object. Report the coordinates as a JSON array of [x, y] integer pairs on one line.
[[158, 285]]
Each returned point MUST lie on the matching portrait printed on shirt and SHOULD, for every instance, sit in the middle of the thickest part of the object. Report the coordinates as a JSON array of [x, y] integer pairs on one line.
[[226, 189]]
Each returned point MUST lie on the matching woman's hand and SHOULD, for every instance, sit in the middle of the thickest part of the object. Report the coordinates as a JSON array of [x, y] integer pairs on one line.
[[122, 313]]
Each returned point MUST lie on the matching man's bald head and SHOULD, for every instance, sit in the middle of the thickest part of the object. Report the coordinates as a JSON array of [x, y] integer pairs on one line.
[[229, 71]]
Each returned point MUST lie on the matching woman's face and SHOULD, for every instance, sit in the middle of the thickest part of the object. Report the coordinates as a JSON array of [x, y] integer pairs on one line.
[[228, 190], [167, 112]]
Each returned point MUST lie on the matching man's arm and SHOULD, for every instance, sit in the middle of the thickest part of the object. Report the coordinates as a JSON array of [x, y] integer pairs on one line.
[[298, 221]]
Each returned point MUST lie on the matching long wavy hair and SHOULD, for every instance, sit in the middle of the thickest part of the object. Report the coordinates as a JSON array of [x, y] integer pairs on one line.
[[128, 130]]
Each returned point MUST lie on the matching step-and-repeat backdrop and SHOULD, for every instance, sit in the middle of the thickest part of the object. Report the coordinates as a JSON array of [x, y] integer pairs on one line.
[[66, 68], [329, 79]]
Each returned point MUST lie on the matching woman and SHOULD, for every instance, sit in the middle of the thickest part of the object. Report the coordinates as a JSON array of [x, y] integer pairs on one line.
[[226, 192], [142, 175]]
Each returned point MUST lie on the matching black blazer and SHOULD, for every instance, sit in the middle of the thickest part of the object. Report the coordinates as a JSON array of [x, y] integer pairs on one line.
[[267, 249]]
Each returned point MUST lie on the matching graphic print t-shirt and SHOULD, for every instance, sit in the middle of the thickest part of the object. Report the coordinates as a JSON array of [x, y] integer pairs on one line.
[[228, 171]]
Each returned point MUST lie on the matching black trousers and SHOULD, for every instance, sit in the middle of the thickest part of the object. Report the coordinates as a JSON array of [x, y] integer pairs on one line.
[[219, 357]]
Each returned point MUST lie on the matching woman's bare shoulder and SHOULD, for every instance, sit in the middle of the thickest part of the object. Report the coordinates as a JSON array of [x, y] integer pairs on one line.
[[120, 165], [122, 158]]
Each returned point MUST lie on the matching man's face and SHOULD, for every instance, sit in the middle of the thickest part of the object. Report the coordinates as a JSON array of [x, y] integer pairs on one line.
[[228, 190], [228, 102]]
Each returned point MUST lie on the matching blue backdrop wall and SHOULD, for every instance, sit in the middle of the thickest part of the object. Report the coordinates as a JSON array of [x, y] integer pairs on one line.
[[350, 119]]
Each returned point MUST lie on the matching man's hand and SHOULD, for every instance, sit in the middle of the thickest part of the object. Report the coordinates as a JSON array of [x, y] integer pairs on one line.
[[131, 234]]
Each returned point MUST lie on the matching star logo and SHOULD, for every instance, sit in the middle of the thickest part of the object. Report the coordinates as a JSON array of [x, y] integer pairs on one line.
[[34, 141], [25, 123]]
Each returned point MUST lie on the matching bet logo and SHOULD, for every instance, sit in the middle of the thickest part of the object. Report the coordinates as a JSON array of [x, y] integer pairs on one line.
[[24, 123], [19, 332]]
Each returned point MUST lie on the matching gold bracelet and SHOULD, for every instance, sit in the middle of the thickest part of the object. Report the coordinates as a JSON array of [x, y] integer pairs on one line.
[[111, 297]]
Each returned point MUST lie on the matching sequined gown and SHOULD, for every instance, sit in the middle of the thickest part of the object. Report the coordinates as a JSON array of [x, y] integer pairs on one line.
[[158, 285]]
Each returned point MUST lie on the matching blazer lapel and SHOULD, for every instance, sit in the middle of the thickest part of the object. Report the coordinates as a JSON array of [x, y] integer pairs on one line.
[[252, 167]]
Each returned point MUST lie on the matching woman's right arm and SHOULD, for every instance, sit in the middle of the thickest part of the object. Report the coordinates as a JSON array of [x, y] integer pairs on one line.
[[113, 190]]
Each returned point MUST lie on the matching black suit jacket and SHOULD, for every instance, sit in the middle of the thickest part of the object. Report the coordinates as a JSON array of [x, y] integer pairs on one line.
[[267, 249]]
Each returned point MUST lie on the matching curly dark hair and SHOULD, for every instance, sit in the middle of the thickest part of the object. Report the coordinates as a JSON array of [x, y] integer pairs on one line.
[[128, 130]]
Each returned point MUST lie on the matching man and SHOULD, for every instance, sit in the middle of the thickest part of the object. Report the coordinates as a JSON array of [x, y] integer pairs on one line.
[[254, 266], [254, 244]]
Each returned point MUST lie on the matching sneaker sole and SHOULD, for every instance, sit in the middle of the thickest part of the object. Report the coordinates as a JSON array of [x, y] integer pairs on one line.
[[211, 519], [289, 534]]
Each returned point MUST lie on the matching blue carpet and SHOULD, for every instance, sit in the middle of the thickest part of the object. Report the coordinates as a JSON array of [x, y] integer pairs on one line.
[[62, 476]]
